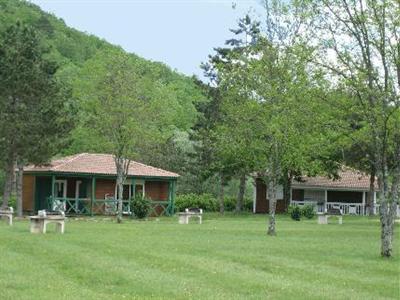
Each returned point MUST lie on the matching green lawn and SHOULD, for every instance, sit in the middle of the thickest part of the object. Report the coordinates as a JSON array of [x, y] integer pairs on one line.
[[224, 258]]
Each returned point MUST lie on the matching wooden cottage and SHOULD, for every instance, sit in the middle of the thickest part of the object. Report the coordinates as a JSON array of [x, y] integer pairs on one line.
[[85, 184], [349, 193]]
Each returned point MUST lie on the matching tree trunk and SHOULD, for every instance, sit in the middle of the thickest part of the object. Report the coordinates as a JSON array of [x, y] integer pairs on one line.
[[371, 193], [242, 189], [388, 205], [8, 184], [272, 206], [19, 182], [122, 166], [120, 188], [387, 216], [388, 211], [222, 194]]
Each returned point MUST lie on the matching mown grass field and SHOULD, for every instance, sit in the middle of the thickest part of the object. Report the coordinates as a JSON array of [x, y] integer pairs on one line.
[[224, 258]]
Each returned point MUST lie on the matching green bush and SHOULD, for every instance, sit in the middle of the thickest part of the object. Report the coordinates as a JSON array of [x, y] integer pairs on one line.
[[248, 204], [140, 206], [308, 211], [11, 203], [295, 212], [230, 204], [209, 203], [204, 201]]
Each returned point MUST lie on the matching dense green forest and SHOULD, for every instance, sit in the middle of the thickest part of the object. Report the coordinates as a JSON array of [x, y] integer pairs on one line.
[[79, 55]]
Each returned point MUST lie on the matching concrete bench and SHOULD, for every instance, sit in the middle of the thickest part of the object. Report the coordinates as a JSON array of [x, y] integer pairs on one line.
[[332, 212], [189, 213], [7, 213], [39, 222]]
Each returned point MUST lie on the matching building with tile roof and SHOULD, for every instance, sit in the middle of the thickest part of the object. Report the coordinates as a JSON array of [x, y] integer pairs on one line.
[[349, 192], [85, 183]]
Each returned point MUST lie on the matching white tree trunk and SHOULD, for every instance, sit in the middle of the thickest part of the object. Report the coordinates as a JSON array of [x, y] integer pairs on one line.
[[272, 206], [122, 165], [387, 216], [388, 206], [371, 204], [120, 188]]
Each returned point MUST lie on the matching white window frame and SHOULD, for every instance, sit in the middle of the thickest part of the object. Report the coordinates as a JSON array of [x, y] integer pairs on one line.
[[130, 190], [77, 188], [64, 181]]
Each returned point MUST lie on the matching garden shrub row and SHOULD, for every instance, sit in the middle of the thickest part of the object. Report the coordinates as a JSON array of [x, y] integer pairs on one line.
[[296, 212], [209, 203]]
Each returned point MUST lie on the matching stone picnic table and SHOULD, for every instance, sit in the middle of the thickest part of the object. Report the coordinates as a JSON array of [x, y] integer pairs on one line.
[[39, 222], [188, 213], [7, 213], [332, 212]]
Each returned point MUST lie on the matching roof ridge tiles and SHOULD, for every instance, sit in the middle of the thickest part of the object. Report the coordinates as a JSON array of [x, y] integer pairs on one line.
[[98, 163], [73, 157]]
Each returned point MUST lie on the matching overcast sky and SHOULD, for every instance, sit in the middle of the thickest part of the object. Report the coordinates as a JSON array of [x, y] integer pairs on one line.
[[180, 33]]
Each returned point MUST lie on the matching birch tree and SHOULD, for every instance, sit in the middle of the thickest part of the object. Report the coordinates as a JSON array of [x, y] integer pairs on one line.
[[359, 43], [123, 110]]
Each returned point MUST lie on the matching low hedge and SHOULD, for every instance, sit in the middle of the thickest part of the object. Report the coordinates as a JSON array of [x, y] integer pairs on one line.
[[206, 202], [296, 212], [209, 203]]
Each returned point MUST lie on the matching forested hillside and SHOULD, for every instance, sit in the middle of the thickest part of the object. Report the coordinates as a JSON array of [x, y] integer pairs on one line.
[[82, 60]]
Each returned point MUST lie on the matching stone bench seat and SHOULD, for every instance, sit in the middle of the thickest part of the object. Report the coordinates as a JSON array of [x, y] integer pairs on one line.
[[39, 222], [332, 212], [7, 213], [189, 213]]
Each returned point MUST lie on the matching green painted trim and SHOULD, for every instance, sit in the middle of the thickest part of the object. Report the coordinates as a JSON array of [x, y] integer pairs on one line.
[[53, 185], [93, 196], [133, 187], [36, 200], [173, 197], [90, 175]]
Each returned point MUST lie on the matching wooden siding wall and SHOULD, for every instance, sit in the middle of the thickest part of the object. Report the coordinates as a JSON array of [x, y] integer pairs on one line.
[[28, 192], [261, 201], [262, 204], [156, 190], [105, 186]]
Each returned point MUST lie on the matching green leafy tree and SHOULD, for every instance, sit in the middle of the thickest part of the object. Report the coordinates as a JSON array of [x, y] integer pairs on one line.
[[359, 47], [226, 144], [35, 110], [123, 112]]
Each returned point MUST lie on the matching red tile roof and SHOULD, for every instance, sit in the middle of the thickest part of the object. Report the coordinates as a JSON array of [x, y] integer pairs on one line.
[[348, 179], [90, 163]]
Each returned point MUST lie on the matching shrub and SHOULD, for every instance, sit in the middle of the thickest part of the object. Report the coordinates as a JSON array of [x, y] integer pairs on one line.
[[248, 204], [209, 203], [308, 211], [140, 206], [204, 201], [11, 203], [295, 212], [230, 204]]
